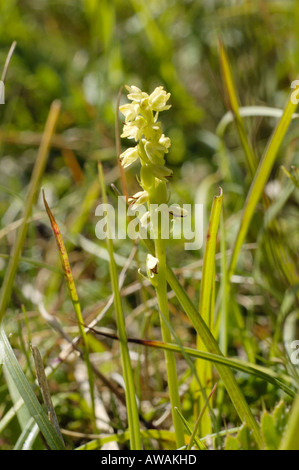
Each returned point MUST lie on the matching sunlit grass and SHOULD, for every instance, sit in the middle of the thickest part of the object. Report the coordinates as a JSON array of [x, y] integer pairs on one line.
[[228, 312]]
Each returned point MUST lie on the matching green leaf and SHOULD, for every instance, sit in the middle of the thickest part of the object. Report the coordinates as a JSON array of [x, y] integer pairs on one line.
[[212, 347], [243, 440], [250, 111], [38, 170], [232, 443], [208, 270], [290, 439], [261, 177], [269, 431], [160, 435], [258, 371], [28, 436], [133, 417], [206, 305], [294, 176], [27, 394], [74, 297], [273, 426], [188, 428], [234, 105]]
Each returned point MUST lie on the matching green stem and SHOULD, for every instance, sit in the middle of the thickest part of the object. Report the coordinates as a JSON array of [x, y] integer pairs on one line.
[[155, 193], [75, 300], [290, 440], [132, 410], [161, 291]]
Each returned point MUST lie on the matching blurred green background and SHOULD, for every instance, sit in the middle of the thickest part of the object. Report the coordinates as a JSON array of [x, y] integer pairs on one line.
[[81, 52]]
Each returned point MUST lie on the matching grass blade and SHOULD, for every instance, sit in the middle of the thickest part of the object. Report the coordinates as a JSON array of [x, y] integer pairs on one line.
[[249, 111], [74, 297], [133, 418], [260, 180], [11, 413], [199, 444], [194, 432], [211, 346], [290, 440], [234, 105], [28, 436], [204, 370], [27, 394], [160, 435], [7, 62], [208, 274], [38, 170], [43, 384], [252, 369]]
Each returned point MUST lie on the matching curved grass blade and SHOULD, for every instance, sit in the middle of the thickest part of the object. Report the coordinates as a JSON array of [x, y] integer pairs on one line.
[[252, 369], [28, 436], [121, 438], [27, 394], [43, 384], [211, 345], [195, 429], [234, 105], [197, 441], [11, 413], [7, 62], [204, 370], [249, 111], [133, 417], [260, 179], [208, 269], [290, 440], [159, 435], [38, 170], [75, 300]]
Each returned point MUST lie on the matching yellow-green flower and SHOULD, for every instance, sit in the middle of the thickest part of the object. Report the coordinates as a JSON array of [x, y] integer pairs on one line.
[[129, 156], [142, 126], [158, 99], [138, 199]]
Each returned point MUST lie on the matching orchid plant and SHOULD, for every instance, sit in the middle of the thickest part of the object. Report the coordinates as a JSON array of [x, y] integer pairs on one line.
[[142, 126]]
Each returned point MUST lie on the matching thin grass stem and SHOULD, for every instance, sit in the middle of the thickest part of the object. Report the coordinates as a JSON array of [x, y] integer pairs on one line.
[[132, 410]]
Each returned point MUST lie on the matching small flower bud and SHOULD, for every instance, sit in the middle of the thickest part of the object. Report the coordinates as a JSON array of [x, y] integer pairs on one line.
[[142, 125], [152, 267], [135, 93], [165, 142], [154, 152], [161, 172], [130, 111], [161, 193], [138, 199], [158, 99], [146, 175], [129, 156]]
